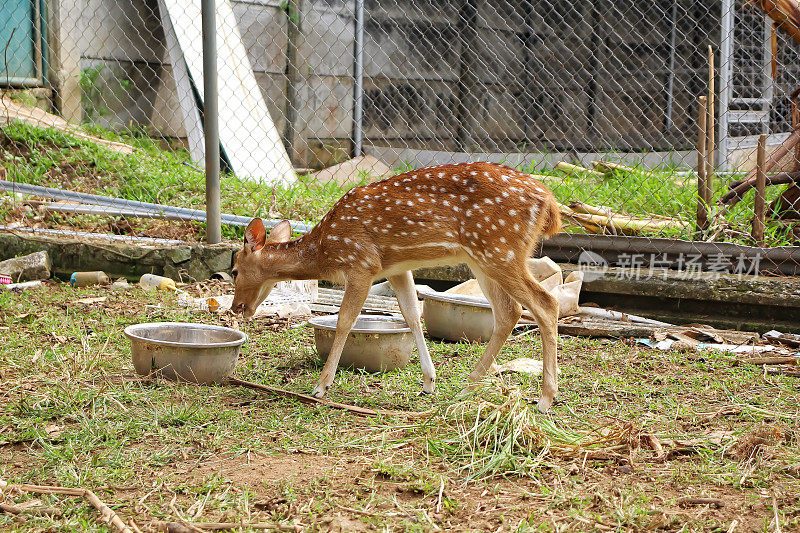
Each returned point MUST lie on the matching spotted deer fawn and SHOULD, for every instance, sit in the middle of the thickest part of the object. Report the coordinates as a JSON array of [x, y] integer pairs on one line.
[[488, 216]]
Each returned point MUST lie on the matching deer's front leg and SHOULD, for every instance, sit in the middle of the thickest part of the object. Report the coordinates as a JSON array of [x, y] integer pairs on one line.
[[403, 285], [355, 294]]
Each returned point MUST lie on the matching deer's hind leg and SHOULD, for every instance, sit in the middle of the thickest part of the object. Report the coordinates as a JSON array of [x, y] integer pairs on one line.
[[517, 282], [506, 313]]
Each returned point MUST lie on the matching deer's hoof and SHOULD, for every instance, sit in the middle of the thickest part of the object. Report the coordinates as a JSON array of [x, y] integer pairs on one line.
[[319, 391], [544, 404]]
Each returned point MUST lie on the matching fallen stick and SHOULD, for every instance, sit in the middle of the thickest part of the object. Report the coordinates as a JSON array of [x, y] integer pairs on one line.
[[749, 182], [780, 372], [577, 170], [769, 360], [653, 443], [716, 502], [177, 527], [106, 513], [305, 398], [776, 179], [18, 509]]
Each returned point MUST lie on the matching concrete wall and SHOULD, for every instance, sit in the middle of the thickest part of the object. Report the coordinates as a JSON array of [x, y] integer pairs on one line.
[[569, 76]]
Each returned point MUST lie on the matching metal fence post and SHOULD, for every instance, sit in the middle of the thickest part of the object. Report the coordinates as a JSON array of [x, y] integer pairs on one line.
[[358, 75], [211, 122]]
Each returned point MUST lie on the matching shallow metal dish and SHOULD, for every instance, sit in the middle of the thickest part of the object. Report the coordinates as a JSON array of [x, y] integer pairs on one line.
[[457, 317], [376, 343], [185, 351]]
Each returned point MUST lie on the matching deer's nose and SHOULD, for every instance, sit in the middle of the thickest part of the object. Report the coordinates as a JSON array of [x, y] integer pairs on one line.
[[238, 308]]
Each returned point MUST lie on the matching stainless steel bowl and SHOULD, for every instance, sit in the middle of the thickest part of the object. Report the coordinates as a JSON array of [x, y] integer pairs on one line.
[[376, 343], [185, 351], [456, 317]]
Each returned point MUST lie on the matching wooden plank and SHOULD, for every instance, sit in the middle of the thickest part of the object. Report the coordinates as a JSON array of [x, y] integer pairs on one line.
[[247, 133], [184, 92]]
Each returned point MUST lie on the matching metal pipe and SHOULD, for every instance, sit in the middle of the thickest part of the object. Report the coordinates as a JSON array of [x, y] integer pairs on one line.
[[671, 77], [725, 79], [358, 74], [167, 211], [211, 121]]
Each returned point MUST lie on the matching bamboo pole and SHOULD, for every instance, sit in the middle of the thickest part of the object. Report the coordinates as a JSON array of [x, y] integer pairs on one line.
[[702, 206], [761, 180], [710, 124]]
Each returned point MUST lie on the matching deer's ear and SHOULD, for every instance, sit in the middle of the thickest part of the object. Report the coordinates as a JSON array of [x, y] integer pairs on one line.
[[255, 235], [282, 232]]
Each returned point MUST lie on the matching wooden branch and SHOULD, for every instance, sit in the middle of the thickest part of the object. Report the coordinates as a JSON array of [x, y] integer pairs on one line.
[[177, 527], [761, 185], [775, 179], [106, 513], [18, 509], [786, 146], [716, 502], [702, 183], [305, 398]]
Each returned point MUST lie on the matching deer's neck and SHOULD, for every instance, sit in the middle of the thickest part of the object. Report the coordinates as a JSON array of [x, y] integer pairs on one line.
[[297, 259]]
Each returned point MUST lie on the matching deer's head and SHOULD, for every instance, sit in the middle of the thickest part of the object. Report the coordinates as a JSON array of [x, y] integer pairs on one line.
[[253, 272]]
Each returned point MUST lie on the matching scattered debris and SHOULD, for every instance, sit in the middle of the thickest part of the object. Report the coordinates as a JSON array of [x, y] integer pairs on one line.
[[28, 267], [224, 276], [21, 286], [153, 282], [85, 279], [90, 301], [120, 284], [523, 365], [288, 299]]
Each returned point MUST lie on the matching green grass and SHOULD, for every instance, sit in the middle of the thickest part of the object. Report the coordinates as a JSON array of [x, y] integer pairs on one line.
[[161, 174], [220, 453]]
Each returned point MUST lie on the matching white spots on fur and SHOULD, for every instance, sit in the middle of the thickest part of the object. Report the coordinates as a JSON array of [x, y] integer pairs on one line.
[[473, 173], [441, 174], [469, 212], [502, 239], [510, 255], [333, 237], [502, 222], [516, 227], [512, 212], [445, 203], [351, 257], [347, 240], [333, 224]]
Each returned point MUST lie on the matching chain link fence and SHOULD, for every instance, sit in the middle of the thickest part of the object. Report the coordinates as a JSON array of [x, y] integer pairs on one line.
[[602, 99]]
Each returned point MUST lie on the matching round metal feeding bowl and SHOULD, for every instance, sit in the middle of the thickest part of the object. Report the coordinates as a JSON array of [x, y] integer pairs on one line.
[[456, 317], [375, 344], [185, 351]]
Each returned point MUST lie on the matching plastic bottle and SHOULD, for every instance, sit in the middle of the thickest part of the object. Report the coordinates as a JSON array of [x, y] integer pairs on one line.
[[151, 281], [84, 279]]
